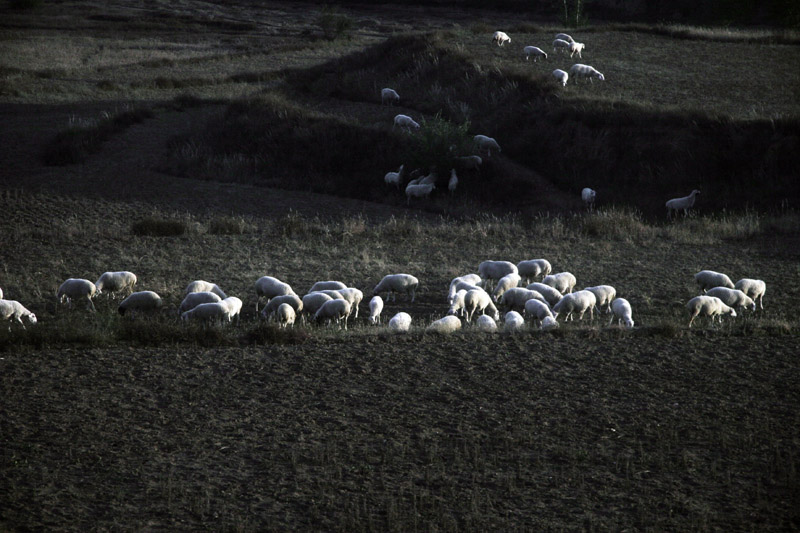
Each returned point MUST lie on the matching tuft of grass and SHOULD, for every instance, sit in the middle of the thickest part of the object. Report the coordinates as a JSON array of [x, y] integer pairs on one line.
[[229, 225], [616, 224], [154, 226]]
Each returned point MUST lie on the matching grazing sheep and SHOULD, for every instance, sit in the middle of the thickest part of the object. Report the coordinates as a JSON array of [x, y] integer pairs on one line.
[[533, 268], [479, 300], [193, 299], [708, 279], [537, 310], [204, 286], [447, 324], [710, 306], [754, 288], [622, 312], [550, 294], [207, 312], [335, 294], [394, 283], [605, 294], [576, 302], [588, 196], [389, 95], [514, 321], [564, 37], [285, 315], [506, 282], [500, 38], [334, 311], [430, 179], [486, 144], [548, 323], [400, 323], [469, 162], [375, 308], [313, 301], [461, 283], [291, 300], [534, 51], [514, 299], [406, 122], [418, 191], [732, 297], [560, 45], [685, 203], [13, 310], [486, 323], [561, 76], [394, 178], [1, 294], [142, 301], [326, 286], [233, 306], [114, 282], [576, 48], [563, 282], [579, 71], [457, 303], [354, 296], [269, 287], [494, 270], [453, 183], [77, 289]]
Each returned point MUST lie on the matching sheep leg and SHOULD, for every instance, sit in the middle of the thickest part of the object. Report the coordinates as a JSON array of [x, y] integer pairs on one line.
[[413, 294]]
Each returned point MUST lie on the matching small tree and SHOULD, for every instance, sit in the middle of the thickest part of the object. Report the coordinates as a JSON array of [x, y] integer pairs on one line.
[[436, 145], [575, 17]]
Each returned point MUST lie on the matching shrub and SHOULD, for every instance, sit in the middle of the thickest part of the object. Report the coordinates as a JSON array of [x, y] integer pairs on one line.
[[228, 226], [333, 23]]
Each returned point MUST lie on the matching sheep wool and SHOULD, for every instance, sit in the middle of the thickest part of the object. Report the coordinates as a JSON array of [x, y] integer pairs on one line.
[[400, 323], [447, 324], [12, 310], [754, 288], [709, 306]]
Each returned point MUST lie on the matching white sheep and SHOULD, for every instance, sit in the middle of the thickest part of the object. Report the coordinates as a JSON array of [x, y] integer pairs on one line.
[[453, 183], [537, 310], [414, 190], [204, 286], [142, 301], [710, 306], [13, 310], [506, 282], [406, 122], [313, 301], [291, 300], [334, 294], [459, 284], [514, 299], [708, 279], [394, 283], [114, 282], [77, 289], [565, 37], [479, 300], [269, 287], [754, 288], [327, 285], [685, 203], [622, 311], [445, 325], [457, 303], [430, 179], [548, 323], [732, 297], [605, 294], [1, 294], [534, 51], [207, 312], [550, 294], [500, 38], [588, 196], [486, 144], [576, 302], [285, 315], [375, 308], [563, 282], [334, 311], [579, 71], [486, 323], [233, 306], [560, 45], [531, 269], [561, 76], [354, 297], [389, 95], [494, 270], [400, 323], [513, 321], [469, 162], [193, 299], [576, 48], [394, 178]]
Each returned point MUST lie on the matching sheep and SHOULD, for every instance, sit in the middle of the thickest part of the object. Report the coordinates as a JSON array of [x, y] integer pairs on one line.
[[430, 179], [708, 279], [1, 294], [500, 38], [269, 287], [389, 95], [621, 309], [457, 303], [479, 300], [313, 301], [334, 310], [354, 296], [469, 162], [732, 297], [534, 51], [754, 288], [537, 310], [193, 299], [514, 299], [77, 289], [142, 301], [13, 310], [327, 285], [486, 144], [494, 270], [334, 294], [550, 294], [548, 323], [204, 286], [445, 325], [486, 323], [285, 315], [576, 302], [579, 70], [233, 306], [115, 282], [564, 37], [418, 191], [576, 48], [453, 183], [291, 300], [400, 323], [563, 282], [588, 196], [710, 306], [393, 178], [394, 283], [514, 321], [533, 268], [506, 282], [207, 312], [605, 294], [561, 76], [375, 308], [459, 284], [560, 45], [685, 203], [404, 121]]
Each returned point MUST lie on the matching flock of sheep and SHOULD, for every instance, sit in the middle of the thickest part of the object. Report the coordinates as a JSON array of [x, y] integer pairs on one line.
[[470, 297]]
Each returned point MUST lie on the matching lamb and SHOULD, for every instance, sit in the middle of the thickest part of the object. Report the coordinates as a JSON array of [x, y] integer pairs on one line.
[[494, 270], [486, 144], [389, 95], [453, 183], [560, 45], [576, 302], [13, 310], [418, 191], [537, 310], [479, 300], [588, 196], [579, 70], [233, 306], [285, 315], [708, 279], [710, 306], [534, 51], [193, 299], [404, 121], [116, 282], [514, 299], [457, 303], [550, 294], [605, 294], [292, 300], [548, 323], [622, 312], [354, 297], [685, 203], [394, 283], [506, 282], [314, 300], [533, 268], [142, 301], [204, 286], [269, 287], [564, 37], [514, 321], [445, 325], [77, 289], [576, 48], [754, 288], [375, 308], [334, 311], [561, 76], [486, 323], [563, 282], [732, 297], [393, 178], [469, 162], [327, 285], [500, 38], [400, 323]]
